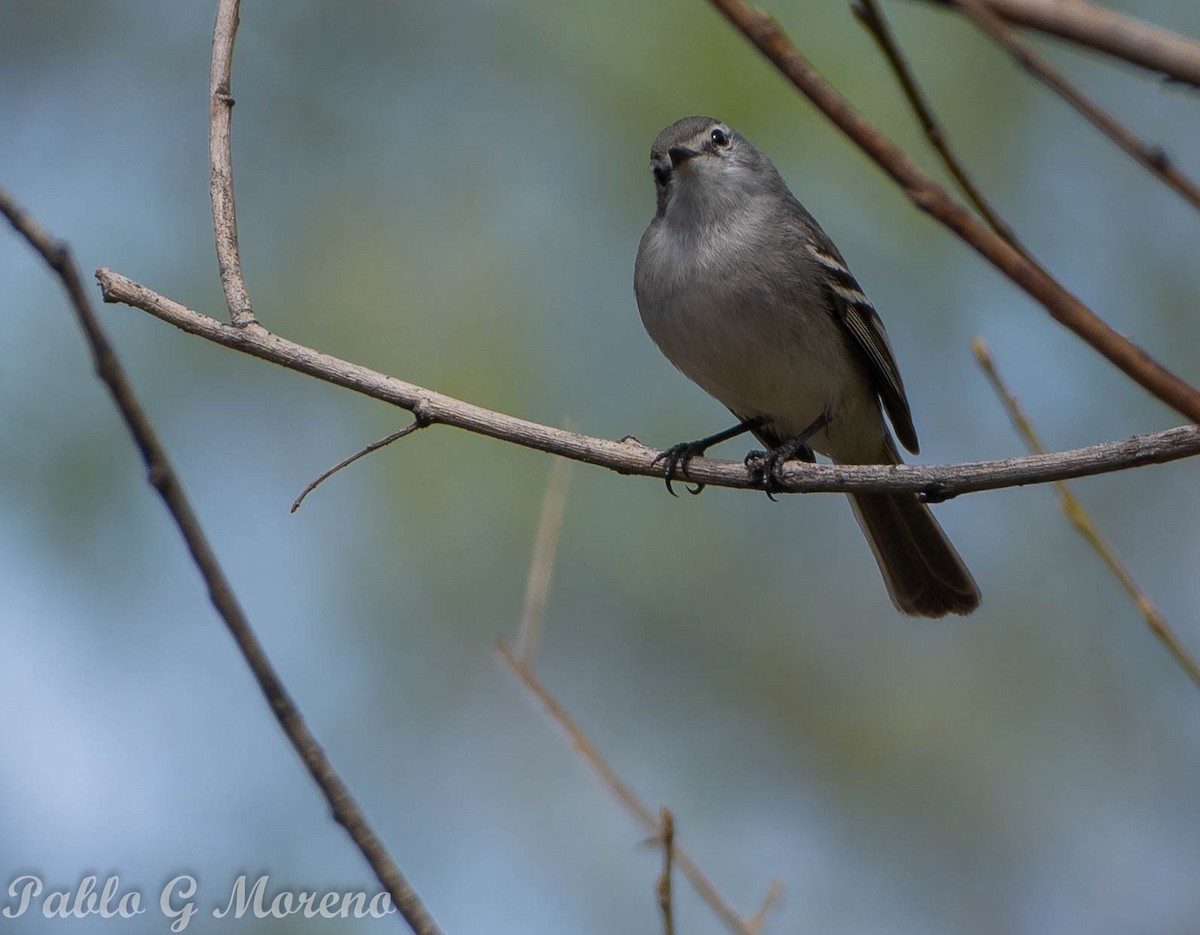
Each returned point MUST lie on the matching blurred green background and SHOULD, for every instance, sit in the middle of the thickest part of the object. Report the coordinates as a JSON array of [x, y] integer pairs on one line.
[[453, 193]]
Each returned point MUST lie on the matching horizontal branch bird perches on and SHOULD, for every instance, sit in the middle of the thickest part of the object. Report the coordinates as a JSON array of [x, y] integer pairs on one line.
[[630, 456]]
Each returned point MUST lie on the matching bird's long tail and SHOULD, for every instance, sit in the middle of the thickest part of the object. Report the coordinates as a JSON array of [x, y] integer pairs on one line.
[[924, 574]]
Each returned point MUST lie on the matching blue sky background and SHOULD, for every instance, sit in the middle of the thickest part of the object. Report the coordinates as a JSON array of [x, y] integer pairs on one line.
[[453, 193]]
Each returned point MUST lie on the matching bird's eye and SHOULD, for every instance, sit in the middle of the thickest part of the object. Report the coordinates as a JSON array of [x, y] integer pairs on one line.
[[719, 136]]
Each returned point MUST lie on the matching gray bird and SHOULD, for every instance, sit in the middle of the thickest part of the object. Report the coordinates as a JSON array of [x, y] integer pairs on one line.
[[742, 291]]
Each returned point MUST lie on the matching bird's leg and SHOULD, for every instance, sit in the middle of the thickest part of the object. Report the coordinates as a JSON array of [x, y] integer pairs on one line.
[[679, 456], [767, 466]]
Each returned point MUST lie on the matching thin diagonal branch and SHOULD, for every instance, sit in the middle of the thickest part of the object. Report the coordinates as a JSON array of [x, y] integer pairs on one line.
[[1117, 34], [164, 479], [771, 899], [634, 805], [870, 14], [220, 158], [1153, 158], [541, 566], [765, 34], [347, 461], [630, 456], [1082, 521], [667, 838]]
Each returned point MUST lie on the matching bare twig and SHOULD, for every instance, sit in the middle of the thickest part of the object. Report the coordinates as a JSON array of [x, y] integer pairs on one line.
[[1154, 158], [667, 839], [641, 813], [772, 899], [346, 462], [220, 108], [541, 566], [1082, 521], [1118, 34], [630, 456], [162, 476], [761, 30], [870, 14]]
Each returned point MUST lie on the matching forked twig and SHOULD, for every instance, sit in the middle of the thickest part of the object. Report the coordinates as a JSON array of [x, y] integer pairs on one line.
[[766, 34], [541, 568], [870, 15], [162, 476], [1082, 520], [1097, 27], [627, 797], [1153, 157], [773, 897]]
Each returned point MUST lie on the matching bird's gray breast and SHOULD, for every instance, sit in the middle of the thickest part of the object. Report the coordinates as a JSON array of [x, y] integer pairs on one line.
[[738, 313]]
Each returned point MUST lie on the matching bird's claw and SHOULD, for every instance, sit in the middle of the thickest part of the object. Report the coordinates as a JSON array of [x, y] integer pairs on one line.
[[766, 467], [767, 470], [677, 459]]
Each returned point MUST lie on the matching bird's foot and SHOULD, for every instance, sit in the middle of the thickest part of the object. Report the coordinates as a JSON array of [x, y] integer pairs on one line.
[[767, 466], [677, 459]]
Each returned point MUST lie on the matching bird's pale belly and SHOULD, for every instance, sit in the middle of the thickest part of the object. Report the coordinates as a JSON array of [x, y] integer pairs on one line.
[[790, 375]]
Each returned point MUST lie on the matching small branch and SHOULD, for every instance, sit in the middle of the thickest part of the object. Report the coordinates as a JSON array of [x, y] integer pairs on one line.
[[870, 15], [1117, 34], [608, 777], [667, 838], [630, 456], [164, 479], [521, 664], [1153, 158], [220, 158], [763, 32], [541, 566], [346, 462], [1082, 521], [772, 899]]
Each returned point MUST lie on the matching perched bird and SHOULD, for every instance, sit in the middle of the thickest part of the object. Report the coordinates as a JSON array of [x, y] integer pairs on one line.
[[742, 291]]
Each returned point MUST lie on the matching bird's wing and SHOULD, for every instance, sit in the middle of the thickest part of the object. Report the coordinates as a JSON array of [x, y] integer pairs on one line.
[[856, 313]]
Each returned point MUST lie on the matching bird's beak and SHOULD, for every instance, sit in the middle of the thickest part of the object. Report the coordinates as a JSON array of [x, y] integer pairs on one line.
[[681, 154]]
